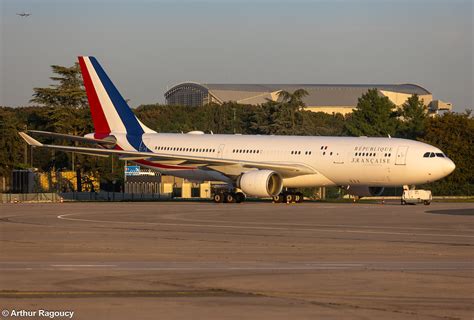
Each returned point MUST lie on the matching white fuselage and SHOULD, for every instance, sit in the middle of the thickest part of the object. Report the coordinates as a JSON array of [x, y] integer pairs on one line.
[[335, 160]]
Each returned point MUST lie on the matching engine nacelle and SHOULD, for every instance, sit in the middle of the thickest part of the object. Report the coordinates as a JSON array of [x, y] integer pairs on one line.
[[260, 183], [365, 191]]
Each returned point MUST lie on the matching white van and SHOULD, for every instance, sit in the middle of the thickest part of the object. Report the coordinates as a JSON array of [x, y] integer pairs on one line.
[[416, 196]]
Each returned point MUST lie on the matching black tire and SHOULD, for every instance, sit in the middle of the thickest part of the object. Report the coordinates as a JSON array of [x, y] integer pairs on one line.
[[289, 198], [239, 197], [404, 202], [218, 198], [279, 198], [426, 203], [299, 197], [229, 197]]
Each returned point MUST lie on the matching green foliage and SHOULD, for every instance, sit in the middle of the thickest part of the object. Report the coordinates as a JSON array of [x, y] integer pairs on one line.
[[69, 92], [56, 119], [454, 134], [227, 118], [373, 116], [414, 116], [269, 118], [11, 146]]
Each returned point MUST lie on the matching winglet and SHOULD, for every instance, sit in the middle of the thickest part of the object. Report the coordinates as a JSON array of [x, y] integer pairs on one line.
[[30, 140]]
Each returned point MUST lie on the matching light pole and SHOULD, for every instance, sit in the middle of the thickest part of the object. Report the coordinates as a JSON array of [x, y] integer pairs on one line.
[[26, 147]]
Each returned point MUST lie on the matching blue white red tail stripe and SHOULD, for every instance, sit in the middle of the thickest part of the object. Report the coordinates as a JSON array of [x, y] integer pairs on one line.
[[125, 113], [98, 117], [110, 112]]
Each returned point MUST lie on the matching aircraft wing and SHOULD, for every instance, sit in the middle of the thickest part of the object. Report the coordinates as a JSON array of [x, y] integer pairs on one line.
[[285, 169], [72, 137]]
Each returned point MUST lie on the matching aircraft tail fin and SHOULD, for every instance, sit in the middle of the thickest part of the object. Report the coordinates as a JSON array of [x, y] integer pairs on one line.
[[110, 112]]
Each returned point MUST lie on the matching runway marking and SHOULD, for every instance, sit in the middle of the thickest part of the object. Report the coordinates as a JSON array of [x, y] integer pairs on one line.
[[123, 293], [245, 266], [170, 216], [65, 217], [84, 265]]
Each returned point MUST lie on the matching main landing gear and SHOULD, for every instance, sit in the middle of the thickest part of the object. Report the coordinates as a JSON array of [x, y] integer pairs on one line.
[[229, 197], [288, 197]]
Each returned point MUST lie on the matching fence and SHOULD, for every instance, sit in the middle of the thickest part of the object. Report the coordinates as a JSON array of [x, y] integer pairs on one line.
[[82, 196]]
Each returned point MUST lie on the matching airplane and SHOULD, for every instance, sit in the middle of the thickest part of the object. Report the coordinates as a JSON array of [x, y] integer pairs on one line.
[[262, 166], [24, 14]]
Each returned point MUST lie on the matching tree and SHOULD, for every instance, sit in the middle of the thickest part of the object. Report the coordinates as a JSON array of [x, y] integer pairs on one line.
[[284, 116], [454, 134], [295, 98], [69, 92], [413, 118], [11, 147], [373, 116]]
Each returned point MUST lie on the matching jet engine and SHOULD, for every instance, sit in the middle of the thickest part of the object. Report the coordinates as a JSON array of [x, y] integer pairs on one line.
[[364, 191], [260, 183]]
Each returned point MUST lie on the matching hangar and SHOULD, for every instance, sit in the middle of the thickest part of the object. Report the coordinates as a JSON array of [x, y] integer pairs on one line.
[[328, 98]]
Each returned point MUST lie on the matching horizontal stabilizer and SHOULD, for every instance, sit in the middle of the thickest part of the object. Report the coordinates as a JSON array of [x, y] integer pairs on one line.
[[35, 143], [31, 141], [71, 137]]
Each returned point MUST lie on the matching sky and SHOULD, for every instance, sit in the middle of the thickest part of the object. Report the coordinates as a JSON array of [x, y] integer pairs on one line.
[[147, 46]]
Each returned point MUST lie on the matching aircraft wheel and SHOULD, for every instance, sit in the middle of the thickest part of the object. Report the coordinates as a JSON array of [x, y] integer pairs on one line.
[[239, 197], [404, 202], [278, 198], [229, 197], [298, 197], [426, 203], [218, 198], [289, 198]]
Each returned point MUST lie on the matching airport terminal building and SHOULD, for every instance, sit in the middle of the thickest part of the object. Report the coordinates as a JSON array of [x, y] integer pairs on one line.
[[328, 98]]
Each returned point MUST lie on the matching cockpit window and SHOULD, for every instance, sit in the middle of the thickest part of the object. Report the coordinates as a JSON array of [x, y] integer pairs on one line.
[[432, 155]]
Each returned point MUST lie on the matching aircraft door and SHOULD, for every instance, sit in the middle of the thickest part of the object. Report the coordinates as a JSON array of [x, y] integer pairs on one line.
[[401, 155], [339, 157], [220, 151]]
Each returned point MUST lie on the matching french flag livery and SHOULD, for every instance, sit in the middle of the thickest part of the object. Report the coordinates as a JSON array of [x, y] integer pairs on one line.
[[255, 165], [110, 112]]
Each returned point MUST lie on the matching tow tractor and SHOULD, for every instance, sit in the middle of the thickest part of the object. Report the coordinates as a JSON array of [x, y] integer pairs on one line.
[[412, 196]]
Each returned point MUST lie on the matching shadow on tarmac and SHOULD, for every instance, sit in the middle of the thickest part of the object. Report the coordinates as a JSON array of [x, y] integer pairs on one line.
[[454, 212]]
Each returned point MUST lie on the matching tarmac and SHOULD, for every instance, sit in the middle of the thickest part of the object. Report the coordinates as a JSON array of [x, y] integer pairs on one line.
[[255, 260]]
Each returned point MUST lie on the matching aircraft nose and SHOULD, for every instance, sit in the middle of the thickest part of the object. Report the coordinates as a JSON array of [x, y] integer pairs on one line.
[[449, 166]]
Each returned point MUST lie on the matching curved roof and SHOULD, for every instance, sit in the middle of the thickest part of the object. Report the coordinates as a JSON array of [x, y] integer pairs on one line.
[[402, 88], [185, 85], [318, 94]]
